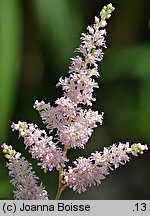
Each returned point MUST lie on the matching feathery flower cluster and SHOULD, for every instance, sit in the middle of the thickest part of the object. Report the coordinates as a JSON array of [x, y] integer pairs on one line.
[[92, 170], [74, 128], [74, 121], [24, 179], [40, 146]]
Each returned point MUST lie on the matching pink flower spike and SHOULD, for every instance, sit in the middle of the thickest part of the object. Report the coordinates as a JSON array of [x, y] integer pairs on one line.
[[91, 171], [40, 146], [24, 179]]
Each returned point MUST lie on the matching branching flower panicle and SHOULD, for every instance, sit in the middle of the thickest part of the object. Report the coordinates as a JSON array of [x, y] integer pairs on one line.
[[73, 120]]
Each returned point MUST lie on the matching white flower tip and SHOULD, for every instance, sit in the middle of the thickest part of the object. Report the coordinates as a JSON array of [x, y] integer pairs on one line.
[[103, 23]]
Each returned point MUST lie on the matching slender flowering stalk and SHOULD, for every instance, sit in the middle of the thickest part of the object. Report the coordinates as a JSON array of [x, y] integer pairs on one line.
[[73, 120], [24, 179]]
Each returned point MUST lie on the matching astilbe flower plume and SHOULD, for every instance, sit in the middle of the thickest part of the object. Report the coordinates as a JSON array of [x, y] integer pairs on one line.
[[40, 146], [90, 171], [73, 123], [73, 120], [24, 179]]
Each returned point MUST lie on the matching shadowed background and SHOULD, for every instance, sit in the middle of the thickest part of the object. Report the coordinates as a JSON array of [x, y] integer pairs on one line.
[[37, 38]]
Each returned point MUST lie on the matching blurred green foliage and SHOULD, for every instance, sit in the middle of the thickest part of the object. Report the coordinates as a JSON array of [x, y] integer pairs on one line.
[[10, 45], [37, 38]]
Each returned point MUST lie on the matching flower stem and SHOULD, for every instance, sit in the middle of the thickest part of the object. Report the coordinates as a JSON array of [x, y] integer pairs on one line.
[[61, 187]]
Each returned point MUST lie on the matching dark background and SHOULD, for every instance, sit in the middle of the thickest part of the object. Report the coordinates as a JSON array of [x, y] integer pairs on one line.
[[37, 38]]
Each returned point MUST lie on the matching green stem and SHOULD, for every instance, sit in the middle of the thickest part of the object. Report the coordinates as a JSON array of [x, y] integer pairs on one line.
[[59, 192], [61, 187]]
